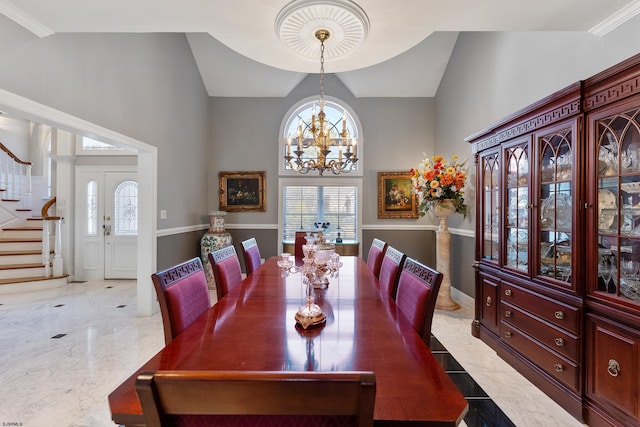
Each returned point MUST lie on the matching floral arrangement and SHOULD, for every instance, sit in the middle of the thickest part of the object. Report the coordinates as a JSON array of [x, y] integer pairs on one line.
[[436, 179]]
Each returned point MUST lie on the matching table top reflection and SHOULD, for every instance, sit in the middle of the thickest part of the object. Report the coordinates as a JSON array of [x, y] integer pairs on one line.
[[253, 328]]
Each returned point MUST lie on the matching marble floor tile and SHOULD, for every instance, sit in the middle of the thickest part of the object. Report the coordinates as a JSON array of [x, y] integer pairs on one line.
[[521, 401], [63, 351]]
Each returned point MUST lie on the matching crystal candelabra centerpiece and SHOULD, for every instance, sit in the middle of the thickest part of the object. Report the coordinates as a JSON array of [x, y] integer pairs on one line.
[[320, 260]]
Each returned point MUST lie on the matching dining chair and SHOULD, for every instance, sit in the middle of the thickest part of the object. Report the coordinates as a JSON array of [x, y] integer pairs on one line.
[[183, 295], [256, 398], [417, 293], [376, 253], [390, 271], [226, 269], [301, 239], [251, 255]]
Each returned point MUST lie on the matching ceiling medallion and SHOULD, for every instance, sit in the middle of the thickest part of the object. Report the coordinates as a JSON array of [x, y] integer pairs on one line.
[[297, 23]]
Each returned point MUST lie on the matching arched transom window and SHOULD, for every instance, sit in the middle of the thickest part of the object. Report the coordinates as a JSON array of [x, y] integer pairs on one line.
[[300, 118]]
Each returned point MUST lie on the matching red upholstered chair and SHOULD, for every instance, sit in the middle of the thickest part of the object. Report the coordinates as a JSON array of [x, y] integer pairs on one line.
[[390, 271], [251, 255], [376, 253], [256, 399], [183, 295], [417, 293], [301, 239], [226, 269]]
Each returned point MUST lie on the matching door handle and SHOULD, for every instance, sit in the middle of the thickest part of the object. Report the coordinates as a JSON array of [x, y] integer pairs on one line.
[[107, 229]]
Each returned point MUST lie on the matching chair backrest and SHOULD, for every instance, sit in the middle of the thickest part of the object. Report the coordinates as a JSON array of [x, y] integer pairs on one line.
[[245, 398], [183, 295], [301, 239], [390, 270], [417, 293], [376, 253], [251, 255], [226, 269]]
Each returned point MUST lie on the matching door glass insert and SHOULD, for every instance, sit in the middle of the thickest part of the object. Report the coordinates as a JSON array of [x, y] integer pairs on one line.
[[556, 205], [491, 207], [618, 205], [517, 209], [126, 209]]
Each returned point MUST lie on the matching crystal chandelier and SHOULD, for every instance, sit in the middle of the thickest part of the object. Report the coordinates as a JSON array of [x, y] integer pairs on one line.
[[318, 138]]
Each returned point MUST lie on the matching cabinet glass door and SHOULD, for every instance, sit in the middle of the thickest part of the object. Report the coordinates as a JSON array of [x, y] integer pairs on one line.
[[555, 205], [489, 165], [618, 205], [517, 207]]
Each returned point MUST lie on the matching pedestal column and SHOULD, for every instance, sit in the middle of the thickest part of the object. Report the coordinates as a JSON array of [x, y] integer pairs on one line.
[[443, 211]]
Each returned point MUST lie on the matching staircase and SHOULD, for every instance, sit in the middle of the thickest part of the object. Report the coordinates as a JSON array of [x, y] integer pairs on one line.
[[24, 238], [21, 261]]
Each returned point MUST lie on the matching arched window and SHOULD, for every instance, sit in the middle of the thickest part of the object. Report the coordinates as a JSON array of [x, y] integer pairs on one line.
[[300, 116]]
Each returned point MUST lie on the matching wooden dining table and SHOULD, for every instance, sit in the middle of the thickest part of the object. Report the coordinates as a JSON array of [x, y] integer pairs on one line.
[[253, 328]]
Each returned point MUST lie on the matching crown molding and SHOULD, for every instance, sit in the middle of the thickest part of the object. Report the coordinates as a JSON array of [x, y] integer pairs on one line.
[[23, 19], [617, 19]]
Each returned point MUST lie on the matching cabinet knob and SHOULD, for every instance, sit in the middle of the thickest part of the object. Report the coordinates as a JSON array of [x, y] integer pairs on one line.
[[558, 367], [507, 313], [507, 334], [613, 368], [488, 302], [507, 292], [559, 315], [559, 342]]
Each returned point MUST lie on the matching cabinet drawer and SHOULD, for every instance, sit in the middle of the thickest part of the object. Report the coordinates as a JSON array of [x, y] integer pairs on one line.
[[557, 366], [554, 312], [553, 337], [613, 368]]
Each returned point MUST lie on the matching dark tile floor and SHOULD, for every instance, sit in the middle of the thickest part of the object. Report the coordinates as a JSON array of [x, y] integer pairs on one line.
[[483, 412]]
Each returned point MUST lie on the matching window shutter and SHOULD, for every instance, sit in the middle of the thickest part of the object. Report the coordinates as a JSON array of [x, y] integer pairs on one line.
[[305, 205]]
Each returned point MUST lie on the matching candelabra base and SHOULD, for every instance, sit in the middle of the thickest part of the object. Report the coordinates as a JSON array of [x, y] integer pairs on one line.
[[310, 315]]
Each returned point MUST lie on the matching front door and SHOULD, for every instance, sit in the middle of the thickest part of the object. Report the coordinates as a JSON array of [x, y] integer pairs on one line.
[[107, 213]]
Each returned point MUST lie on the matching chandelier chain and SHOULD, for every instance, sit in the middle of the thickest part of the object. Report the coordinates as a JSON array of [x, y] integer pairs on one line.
[[322, 72]]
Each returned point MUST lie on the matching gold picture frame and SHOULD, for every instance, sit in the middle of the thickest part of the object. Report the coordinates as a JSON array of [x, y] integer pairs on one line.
[[396, 198], [242, 191]]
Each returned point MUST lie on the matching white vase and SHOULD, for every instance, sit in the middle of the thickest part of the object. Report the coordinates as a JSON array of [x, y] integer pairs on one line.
[[444, 209], [216, 237]]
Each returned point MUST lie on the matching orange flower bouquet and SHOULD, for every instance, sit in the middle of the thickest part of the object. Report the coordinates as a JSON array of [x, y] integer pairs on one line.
[[436, 179]]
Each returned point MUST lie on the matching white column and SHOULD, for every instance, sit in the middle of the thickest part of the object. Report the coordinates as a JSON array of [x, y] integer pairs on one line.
[[46, 248], [62, 153], [57, 249]]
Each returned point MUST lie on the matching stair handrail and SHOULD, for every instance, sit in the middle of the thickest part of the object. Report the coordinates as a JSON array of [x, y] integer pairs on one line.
[[47, 220], [45, 210], [15, 176]]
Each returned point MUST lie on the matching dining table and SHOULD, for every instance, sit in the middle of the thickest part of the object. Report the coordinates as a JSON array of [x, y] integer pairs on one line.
[[254, 328]]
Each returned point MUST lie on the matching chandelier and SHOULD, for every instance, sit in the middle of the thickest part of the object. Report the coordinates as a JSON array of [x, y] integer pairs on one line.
[[318, 140]]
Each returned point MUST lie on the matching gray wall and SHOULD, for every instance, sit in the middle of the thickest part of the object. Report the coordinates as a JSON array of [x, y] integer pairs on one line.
[[244, 136], [395, 131], [145, 86]]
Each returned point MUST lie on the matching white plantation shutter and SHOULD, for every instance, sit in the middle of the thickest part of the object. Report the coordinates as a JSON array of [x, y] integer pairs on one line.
[[304, 205]]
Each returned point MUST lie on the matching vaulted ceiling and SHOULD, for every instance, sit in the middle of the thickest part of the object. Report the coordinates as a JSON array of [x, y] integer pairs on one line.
[[239, 52]]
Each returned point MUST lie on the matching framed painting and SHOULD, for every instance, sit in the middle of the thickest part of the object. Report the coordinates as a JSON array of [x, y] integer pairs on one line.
[[242, 191], [396, 198]]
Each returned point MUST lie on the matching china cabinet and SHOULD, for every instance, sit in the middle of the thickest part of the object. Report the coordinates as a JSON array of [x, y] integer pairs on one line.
[[612, 387], [558, 244], [528, 293]]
